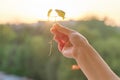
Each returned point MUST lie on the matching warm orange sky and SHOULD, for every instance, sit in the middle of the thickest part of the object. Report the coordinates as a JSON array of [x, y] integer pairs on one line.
[[34, 10]]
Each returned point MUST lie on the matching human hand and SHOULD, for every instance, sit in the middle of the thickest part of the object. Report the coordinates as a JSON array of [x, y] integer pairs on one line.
[[74, 45], [69, 41]]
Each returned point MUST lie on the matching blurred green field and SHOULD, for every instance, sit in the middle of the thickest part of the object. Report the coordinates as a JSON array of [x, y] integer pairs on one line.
[[24, 49]]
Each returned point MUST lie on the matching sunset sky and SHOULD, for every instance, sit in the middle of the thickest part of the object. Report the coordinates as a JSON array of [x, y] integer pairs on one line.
[[34, 10]]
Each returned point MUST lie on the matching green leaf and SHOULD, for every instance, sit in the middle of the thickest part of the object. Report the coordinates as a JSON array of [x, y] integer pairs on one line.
[[60, 13], [49, 11]]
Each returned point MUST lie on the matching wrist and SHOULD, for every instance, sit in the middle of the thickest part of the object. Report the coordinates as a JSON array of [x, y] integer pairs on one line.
[[81, 50]]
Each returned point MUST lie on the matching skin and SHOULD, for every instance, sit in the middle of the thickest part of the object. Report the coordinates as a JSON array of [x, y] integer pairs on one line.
[[74, 45]]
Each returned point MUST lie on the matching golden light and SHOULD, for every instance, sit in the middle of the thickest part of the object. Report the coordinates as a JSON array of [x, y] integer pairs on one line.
[[35, 10]]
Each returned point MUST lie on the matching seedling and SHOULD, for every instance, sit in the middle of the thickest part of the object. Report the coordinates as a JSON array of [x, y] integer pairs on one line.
[[58, 13]]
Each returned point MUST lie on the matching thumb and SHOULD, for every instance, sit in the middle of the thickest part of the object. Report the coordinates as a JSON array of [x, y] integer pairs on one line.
[[77, 39]]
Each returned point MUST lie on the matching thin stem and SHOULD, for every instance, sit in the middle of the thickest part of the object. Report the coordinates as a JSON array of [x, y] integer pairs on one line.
[[51, 46], [51, 41], [55, 19]]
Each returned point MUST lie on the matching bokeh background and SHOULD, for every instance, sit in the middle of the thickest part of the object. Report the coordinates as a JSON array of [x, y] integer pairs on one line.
[[25, 37], [24, 49]]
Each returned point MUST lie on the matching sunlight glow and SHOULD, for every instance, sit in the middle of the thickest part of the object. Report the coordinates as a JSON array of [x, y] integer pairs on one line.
[[35, 10]]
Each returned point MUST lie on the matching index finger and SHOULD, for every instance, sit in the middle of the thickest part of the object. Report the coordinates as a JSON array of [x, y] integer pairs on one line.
[[62, 29]]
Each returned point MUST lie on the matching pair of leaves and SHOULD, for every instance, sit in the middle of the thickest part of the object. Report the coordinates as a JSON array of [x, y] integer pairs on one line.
[[60, 13]]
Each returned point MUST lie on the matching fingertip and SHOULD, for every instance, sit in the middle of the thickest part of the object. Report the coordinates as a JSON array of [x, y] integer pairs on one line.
[[53, 29], [63, 29], [57, 25]]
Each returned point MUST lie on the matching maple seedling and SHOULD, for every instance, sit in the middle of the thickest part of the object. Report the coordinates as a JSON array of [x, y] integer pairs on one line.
[[58, 13]]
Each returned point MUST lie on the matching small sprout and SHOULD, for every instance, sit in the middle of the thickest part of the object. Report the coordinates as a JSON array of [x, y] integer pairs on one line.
[[59, 13]]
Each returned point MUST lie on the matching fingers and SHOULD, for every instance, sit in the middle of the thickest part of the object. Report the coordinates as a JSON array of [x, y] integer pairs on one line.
[[61, 29], [61, 45], [60, 38], [59, 35]]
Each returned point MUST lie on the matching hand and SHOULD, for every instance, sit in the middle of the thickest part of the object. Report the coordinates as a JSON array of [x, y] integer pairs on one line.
[[73, 45], [69, 41]]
